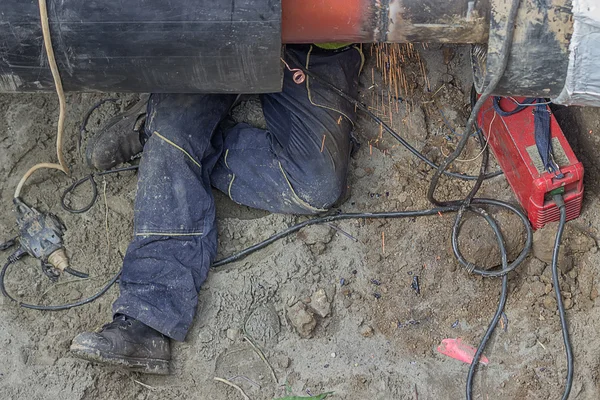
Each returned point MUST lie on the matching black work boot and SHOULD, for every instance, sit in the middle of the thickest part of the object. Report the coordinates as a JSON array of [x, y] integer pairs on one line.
[[125, 342], [119, 140]]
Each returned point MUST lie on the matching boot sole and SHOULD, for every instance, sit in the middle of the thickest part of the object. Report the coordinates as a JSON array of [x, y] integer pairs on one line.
[[143, 365]]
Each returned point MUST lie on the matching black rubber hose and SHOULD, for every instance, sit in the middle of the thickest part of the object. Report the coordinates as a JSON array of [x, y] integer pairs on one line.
[[558, 199]]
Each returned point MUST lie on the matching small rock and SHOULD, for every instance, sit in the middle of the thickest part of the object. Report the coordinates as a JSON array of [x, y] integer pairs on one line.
[[301, 319], [536, 289], [332, 355], [233, 334], [366, 331], [573, 274], [543, 246], [347, 302], [319, 303], [535, 267], [359, 172], [594, 294], [580, 242], [546, 276], [281, 361], [568, 303], [530, 341], [205, 336], [549, 303]]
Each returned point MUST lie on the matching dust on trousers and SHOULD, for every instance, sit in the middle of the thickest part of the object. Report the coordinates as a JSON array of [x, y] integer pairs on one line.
[[298, 165]]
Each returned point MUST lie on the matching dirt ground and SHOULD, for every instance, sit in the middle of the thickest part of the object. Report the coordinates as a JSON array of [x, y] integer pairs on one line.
[[332, 308]]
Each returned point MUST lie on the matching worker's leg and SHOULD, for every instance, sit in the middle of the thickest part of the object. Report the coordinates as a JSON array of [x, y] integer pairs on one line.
[[299, 165], [175, 235]]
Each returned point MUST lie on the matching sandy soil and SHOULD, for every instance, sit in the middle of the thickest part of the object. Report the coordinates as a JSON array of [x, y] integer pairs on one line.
[[331, 313]]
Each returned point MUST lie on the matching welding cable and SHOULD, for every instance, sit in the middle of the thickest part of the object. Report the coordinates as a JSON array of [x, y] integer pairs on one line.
[[76, 273], [61, 307], [499, 74], [295, 228], [558, 199], [90, 178]]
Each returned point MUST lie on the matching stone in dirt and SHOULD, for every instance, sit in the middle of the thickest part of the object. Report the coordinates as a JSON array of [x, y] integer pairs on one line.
[[233, 334], [319, 303], [534, 267], [543, 245], [315, 234], [366, 331], [302, 319]]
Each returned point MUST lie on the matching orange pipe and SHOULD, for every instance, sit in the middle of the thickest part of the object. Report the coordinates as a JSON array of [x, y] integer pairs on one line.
[[315, 21]]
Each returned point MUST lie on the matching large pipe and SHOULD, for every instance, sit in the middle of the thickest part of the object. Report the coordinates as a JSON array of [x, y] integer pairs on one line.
[[235, 46], [443, 21]]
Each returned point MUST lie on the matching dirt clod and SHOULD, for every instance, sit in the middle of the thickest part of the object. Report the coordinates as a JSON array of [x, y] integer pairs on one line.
[[319, 303], [543, 245], [302, 319], [367, 331]]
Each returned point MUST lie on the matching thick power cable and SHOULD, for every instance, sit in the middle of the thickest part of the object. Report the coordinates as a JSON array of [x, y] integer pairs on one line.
[[62, 165], [558, 199], [61, 307], [499, 74]]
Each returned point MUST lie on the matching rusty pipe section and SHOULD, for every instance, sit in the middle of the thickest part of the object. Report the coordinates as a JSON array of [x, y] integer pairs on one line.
[[364, 21]]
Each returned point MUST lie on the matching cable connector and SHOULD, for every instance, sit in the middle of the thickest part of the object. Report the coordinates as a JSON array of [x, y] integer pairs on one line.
[[559, 200]]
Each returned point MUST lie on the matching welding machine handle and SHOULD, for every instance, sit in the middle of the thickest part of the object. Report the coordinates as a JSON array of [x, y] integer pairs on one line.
[[543, 136], [543, 139]]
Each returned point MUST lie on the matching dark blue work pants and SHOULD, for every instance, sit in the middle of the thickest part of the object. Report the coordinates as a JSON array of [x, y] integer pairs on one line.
[[298, 165]]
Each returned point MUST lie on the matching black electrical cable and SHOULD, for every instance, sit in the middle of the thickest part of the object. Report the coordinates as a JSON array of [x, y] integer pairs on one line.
[[558, 199], [330, 218], [499, 74], [75, 185], [69, 270], [61, 307], [76, 273]]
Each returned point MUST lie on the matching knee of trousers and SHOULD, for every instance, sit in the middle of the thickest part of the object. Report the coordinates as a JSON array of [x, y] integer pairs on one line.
[[321, 188]]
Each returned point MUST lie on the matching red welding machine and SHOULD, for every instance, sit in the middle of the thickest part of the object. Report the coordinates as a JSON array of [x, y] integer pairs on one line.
[[512, 140]]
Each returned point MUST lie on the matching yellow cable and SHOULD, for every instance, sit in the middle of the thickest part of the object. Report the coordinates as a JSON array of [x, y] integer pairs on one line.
[[62, 165]]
